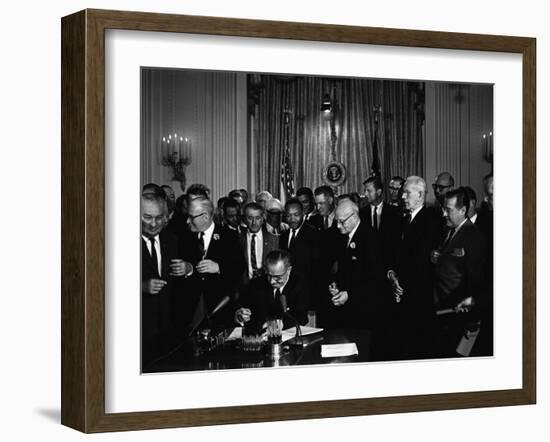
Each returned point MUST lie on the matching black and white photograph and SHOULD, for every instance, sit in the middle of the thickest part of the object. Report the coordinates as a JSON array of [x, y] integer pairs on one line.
[[292, 220]]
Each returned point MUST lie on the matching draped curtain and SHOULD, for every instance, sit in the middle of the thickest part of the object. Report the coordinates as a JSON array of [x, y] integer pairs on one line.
[[399, 136]]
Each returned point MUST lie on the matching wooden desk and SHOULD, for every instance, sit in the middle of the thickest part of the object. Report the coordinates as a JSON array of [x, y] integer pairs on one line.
[[230, 356]]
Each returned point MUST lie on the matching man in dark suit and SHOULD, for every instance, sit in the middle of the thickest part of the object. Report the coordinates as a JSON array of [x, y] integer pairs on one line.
[[303, 242], [459, 268], [281, 293], [256, 243], [329, 237], [384, 227], [324, 203], [395, 192], [301, 239], [410, 275], [305, 196], [217, 265], [382, 218], [352, 290], [160, 265], [231, 216], [443, 183]]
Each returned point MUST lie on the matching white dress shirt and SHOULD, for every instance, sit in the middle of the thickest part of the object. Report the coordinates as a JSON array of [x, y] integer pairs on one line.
[[207, 238], [350, 234], [415, 212], [378, 211], [259, 250], [295, 234]]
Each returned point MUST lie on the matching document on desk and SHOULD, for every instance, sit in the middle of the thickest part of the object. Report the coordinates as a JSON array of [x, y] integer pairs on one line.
[[339, 350], [290, 333], [287, 334]]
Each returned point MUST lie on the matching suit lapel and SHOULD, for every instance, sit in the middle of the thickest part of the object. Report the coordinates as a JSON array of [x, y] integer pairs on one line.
[[244, 246], [213, 246], [265, 245], [145, 255], [449, 246], [283, 241], [163, 255]]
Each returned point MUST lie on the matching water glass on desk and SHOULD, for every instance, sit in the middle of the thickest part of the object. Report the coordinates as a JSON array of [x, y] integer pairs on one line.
[[252, 337], [274, 331]]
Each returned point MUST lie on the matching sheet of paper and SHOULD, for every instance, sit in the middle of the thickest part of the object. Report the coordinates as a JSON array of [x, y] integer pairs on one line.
[[237, 333], [290, 333], [339, 350]]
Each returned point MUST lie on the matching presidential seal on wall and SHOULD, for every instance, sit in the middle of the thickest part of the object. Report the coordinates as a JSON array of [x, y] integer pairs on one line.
[[334, 173]]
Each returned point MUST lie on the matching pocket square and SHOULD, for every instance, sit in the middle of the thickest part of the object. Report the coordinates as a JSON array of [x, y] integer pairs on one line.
[[354, 258], [458, 252]]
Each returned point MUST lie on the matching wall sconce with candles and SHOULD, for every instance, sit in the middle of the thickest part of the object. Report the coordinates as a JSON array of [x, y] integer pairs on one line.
[[488, 147], [176, 154]]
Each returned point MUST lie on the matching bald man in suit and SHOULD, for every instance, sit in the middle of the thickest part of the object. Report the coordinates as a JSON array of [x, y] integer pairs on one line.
[[161, 267], [353, 296]]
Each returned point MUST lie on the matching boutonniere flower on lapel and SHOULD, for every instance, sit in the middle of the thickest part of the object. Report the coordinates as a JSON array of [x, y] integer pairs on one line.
[[352, 245], [215, 236]]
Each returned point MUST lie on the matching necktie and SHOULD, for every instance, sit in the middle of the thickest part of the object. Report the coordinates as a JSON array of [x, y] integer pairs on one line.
[[292, 236], [253, 260], [409, 217], [154, 256], [277, 293], [325, 222], [449, 237], [374, 219], [202, 249]]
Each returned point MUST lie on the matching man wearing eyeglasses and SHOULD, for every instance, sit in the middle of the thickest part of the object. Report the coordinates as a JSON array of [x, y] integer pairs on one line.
[[352, 293], [282, 293], [442, 184], [217, 264], [160, 266]]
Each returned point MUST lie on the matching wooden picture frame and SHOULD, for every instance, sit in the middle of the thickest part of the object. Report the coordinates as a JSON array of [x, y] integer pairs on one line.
[[83, 216]]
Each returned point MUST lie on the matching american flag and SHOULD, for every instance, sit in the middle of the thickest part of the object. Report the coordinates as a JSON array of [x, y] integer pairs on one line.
[[375, 169], [287, 177]]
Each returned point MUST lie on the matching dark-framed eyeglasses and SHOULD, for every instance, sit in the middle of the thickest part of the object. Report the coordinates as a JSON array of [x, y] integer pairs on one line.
[[440, 186], [343, 221], [269, 276], [193, 217]]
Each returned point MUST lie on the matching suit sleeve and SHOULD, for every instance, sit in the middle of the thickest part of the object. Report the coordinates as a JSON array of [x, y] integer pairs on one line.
[[302, 302], [475, 267], [232, 264]]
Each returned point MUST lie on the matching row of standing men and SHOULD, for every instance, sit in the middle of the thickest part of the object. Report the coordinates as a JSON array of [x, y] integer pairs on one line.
[[389, 267]]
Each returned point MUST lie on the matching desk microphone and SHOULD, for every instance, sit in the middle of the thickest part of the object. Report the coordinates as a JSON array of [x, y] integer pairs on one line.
[[286, 309], [224, 301], [220, 305]]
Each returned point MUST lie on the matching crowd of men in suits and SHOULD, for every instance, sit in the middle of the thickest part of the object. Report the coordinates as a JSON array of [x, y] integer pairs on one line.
[[418, 278]]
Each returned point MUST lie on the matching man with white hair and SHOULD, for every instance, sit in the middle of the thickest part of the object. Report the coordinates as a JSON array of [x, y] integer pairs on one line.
[[274, 211], [351, 289], [217, 265], [410, 274], [262, 197]]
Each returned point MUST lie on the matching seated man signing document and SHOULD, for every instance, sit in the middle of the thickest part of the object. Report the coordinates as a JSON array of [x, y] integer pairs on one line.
[[281, 293]]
